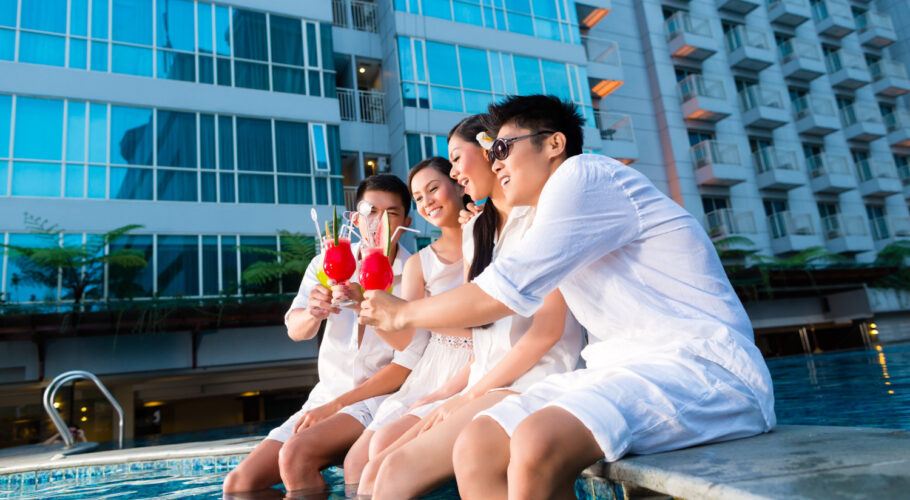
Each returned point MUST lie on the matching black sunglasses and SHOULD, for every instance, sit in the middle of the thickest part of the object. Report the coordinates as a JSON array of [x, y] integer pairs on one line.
[[501, 147]]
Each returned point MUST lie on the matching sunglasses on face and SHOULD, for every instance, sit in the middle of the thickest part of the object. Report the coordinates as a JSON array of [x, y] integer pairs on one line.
[[502, 147]]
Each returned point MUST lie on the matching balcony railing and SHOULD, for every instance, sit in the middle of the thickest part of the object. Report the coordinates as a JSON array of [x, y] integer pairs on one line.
[[896, 120], [885, 68], [682, 22], [824, 164], [754, 95], [369, 102], [699, 86], [903, 171], [742, 35], [602, 51], [724, 222], [839, 226], [798, 48], [871, 20], [830, 8], [807, 105], [841, 59], [770, 158], [790, 224], [350, 197], [362, 16], [800, 3], [870, 168], [713, 152], [615, 126], [857, 113]]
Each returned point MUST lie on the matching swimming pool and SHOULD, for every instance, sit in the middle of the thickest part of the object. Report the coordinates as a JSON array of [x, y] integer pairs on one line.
[[868, 388]]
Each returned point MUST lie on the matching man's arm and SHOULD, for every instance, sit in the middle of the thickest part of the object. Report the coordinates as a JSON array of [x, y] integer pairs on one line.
[[311, 306], [466, 306]]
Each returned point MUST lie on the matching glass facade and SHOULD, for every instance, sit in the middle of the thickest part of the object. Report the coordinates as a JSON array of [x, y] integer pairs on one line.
[[179, 265], [421, 146], [78, 149], [550, 19], [449, 77], [173, 39]]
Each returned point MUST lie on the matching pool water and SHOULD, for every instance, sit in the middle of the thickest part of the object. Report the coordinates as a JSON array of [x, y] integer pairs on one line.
[[869, 388]]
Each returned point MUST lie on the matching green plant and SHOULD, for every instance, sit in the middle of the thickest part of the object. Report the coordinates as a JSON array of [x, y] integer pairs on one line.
[[78, 267], [288, 264], [895, 254]]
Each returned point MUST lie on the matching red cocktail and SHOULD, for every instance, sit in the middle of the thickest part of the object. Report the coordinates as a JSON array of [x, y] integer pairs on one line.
[[338, 261], [375, 270]]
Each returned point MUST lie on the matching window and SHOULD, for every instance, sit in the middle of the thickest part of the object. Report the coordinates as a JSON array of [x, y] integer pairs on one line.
[[713, 203], [422, 146]]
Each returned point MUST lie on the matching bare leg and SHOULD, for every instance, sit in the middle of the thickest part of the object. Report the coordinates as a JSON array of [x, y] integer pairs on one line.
[[309, 451], [368, 477], [548, 451], [357, 457], [257, 471], [425, 462], [481, 460], [390, 434]]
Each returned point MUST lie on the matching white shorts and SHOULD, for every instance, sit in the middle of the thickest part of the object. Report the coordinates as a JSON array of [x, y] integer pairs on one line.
[[363, 411], [662, 404]]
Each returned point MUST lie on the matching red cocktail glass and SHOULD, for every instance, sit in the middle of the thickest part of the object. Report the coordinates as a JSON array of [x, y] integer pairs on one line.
[[338, 261], [375, 270]]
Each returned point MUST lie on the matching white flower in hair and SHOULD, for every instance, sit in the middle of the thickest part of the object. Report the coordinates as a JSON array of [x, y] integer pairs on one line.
[[484, 139]]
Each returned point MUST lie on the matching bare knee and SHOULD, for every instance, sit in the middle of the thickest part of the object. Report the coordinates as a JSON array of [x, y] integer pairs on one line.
[[531, 447], [234, 482], [381, 440], [481, 448], [296, 455], [354, 463]]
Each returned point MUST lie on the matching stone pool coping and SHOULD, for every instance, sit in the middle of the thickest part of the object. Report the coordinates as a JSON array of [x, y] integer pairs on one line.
[[794, 462]]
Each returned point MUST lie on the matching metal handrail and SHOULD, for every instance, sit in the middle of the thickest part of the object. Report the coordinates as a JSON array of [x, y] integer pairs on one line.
[[52, 412]]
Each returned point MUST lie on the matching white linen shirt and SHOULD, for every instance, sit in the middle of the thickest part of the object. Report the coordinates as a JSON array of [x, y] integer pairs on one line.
[[635, 268], [343, 366]]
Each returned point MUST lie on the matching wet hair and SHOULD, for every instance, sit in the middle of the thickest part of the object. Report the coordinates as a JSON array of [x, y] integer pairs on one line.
[[537, 113], [387, 183], [437, 163], [488, 220]]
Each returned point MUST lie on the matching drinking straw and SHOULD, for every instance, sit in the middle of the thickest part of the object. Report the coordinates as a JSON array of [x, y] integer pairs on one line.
[[316, 222], [402, 228]]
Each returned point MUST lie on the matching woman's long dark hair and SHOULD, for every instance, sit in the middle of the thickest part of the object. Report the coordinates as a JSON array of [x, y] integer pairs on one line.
[[488, 220]]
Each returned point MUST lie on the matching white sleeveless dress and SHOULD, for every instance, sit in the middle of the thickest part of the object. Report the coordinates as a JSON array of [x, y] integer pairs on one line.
[[444, 356], [491, 344]]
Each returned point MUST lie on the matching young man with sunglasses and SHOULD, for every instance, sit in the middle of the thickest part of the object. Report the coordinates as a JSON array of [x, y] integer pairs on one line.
[[671, 361]]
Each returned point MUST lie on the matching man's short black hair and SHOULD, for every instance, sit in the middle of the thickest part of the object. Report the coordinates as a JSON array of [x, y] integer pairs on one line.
[[536, 113], [388, 183]]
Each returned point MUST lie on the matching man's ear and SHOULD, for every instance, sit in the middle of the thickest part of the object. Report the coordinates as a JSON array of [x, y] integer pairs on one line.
[[407, 221], [556, 144]]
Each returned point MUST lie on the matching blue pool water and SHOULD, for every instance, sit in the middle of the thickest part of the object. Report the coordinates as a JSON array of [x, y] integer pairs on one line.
[[869, 388]]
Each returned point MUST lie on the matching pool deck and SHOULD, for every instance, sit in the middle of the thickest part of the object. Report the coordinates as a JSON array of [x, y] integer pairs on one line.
[[792, 462]]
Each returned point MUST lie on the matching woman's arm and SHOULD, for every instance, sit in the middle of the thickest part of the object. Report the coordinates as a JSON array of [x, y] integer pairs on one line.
[[451, 387], [412, 288]]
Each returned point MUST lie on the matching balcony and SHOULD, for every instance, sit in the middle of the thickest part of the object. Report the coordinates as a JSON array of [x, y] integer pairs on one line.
[[777, 169], [748, 48], [862, 122], [350, 197], [361, 105], [847, 70], [618, 136], [604, 65], [590, 15], [762, 108], [878, 178], [887, 229], [355, 14], [846, 234], [815, 116], [903, 172], [704, 99], [790, 13], [830, 174], [690, 37], [889, 78], [875, 30], [738, 6], [898, 126], [833, 18], [791, 232], [724, 223], [717, 164], [801, 60]]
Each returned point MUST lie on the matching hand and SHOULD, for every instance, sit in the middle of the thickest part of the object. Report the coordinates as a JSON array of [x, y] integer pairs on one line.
[[468, 213], [382, 311], [320, 304], [429, 398], [441, 413], [316, 415], [347, 291]]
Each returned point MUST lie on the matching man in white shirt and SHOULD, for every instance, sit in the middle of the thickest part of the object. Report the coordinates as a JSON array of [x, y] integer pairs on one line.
[[357, 369], [671, 360]]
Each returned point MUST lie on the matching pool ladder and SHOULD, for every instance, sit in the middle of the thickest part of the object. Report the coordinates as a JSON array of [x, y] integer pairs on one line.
[[56, 384]]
